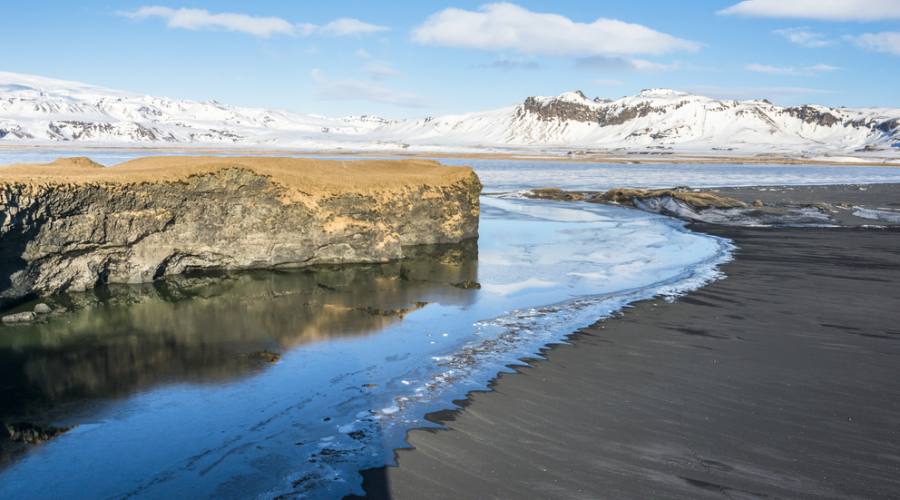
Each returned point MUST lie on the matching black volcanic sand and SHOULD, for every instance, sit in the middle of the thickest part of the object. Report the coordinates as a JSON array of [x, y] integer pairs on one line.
[[873, 195], [780, 381], [837, 200]]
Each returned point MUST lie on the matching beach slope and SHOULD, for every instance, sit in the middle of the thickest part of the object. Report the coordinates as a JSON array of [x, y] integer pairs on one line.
[[779, 381]]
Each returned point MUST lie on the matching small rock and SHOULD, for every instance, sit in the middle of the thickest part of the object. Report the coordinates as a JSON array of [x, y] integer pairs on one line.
[[22, 317], [554, 194], [42, 309], [27, 432], [265, 356], [468, 285]]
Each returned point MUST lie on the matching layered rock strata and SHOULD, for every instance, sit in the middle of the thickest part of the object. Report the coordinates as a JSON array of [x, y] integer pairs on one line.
[[73, 224]]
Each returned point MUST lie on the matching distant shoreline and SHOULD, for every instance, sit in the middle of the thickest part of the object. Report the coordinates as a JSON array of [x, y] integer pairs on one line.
[[627, 157]]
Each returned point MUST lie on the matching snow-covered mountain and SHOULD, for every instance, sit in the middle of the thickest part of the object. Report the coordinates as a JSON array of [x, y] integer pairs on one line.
[[36, 110]]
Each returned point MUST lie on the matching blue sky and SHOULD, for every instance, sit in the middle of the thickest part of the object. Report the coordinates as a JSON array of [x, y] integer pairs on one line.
[[415, 58]]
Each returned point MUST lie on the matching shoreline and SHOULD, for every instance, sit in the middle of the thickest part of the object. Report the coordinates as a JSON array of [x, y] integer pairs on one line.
[[664, 424], [351, 406], [627, 157]]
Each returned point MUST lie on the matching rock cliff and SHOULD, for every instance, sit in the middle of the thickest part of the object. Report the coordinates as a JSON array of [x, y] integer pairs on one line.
[[73, 224]]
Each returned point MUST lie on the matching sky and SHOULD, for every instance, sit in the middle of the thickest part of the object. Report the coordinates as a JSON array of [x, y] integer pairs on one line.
[[419, 58]]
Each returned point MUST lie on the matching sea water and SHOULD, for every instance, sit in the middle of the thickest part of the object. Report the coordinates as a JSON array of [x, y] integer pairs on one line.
[[518, 174], [169, 390], [170, 393]]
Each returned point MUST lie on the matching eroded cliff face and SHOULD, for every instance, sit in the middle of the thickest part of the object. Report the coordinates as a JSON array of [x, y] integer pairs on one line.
[[72, 225]]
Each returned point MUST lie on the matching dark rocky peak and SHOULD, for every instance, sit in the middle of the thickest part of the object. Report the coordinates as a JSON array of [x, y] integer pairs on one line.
[[890, 127], [557, 108], [599, 111], [620, 115], [813, 115]]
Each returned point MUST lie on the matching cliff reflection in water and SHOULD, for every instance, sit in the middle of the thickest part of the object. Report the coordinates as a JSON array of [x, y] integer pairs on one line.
[[124, 339]]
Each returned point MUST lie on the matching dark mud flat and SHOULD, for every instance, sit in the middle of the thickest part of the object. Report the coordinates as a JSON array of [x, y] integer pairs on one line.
[[781, 381]]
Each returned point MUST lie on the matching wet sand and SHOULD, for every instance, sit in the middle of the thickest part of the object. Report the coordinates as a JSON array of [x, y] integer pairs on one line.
[[881, 195], [780, 381]]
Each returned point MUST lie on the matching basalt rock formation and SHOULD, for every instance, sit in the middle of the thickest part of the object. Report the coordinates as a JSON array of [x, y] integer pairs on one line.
[[73, 224], [693, 198], [694, 205]]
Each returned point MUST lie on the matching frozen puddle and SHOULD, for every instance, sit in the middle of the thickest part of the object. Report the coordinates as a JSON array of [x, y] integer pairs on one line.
[[349, 385]]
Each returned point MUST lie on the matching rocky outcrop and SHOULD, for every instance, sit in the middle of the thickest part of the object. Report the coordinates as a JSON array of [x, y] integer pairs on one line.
[[747, 209], [72, 224], [75, 130], [815, 116], [561, 109], [15, 132], [693, 198], [662, 117], [633, 197]]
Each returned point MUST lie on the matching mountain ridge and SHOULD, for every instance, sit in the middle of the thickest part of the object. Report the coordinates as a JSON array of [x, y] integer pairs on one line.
[[37, 110]]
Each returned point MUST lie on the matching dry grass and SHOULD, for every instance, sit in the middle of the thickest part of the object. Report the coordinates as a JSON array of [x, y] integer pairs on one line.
[[306, 174]]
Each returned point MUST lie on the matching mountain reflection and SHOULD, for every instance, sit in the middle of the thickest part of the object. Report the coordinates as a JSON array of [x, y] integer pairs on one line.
[[122, 339]]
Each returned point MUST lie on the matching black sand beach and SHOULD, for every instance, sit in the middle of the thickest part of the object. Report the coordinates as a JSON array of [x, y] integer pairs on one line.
[[780, 381]]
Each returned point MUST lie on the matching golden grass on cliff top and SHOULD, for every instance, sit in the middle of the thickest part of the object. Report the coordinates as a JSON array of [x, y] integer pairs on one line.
[[306, 174]]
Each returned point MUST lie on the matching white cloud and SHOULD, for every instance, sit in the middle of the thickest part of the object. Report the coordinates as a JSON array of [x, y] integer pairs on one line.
[[362, 90], [791, 70], [823, 10], [198, 19], [511, 63], [772, 93], [263, 27], [346, 26], [642, 65], [608, 82], [608, 63], [506, 26], [886, 41], [772, 70], [379, 70], [375, 69], [804, 37], [822, 68], [305, 29]]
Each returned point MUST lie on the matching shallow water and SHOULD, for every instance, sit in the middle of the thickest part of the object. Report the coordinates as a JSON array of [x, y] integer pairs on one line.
[[515, 175], [171, 389], [170, 392]]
